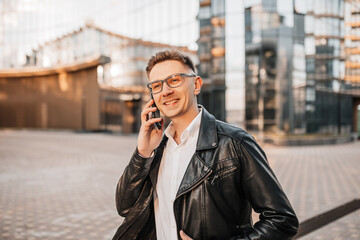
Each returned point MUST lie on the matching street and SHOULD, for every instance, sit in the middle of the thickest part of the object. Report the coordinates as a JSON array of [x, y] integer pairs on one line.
[[61, 184]]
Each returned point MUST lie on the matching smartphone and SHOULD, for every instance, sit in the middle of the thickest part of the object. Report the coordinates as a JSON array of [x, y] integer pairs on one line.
[[156, 114]]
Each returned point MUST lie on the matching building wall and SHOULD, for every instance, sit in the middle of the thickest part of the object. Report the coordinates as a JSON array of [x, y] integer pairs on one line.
[[67, 100]]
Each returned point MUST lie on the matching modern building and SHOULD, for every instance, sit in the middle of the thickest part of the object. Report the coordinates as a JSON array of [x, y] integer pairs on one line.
[[62, 97], [212, 56], [120, 82], [128, 56], [352, 53], [24, 24], [282, 65]]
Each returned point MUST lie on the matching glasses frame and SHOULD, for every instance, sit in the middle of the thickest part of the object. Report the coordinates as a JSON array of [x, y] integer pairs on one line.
[[166, 79]]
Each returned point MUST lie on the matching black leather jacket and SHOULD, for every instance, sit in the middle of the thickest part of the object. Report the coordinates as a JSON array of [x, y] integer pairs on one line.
[[226, 177]]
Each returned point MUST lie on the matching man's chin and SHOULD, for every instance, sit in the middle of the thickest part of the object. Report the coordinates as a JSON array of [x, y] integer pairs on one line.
[[171, 114]]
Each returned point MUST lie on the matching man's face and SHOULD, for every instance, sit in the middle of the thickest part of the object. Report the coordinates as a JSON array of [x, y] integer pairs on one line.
[[175, 102]]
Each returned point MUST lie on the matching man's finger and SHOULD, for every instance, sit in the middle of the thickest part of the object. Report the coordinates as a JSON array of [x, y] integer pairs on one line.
[[146, 111], [152, 121], [184, 236]]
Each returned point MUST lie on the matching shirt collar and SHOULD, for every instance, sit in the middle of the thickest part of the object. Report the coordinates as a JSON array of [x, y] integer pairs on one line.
[[192, 129]]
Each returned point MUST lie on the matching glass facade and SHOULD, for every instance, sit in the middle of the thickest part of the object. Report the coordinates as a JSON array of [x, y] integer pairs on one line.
[[128, 56], [25, 24], [300, 70], [211, 53], [295, 67]]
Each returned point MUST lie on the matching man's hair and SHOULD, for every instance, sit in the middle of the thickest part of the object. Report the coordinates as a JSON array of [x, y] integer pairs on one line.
[[169, 55]]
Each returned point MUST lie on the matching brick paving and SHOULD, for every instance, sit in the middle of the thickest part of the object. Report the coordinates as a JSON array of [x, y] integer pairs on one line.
[[317, 179], [60, 185]]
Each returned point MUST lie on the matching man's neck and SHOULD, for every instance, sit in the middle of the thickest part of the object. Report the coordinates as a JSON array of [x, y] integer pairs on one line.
[[181, 123]]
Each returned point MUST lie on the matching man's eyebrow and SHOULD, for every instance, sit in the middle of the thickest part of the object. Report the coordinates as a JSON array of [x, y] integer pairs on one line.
[[165, 77]]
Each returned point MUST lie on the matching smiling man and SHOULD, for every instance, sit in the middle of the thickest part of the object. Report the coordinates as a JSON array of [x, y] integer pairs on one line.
[[200, 177]]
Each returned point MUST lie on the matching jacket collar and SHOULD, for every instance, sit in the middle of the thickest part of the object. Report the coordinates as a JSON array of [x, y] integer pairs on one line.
[[207, 135]]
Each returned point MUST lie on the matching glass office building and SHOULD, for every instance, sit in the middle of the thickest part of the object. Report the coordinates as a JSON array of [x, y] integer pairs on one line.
[[352, 54], [287, 68], [128, 56], [61, 34], [25, 24], [212, 56]]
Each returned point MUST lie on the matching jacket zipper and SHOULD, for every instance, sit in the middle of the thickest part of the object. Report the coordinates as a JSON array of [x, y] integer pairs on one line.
[[222, 173], [213, 180], [197, 184]]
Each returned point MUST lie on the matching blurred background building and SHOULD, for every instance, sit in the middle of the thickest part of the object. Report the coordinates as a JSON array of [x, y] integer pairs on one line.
[[279, 66], [55, 35], [271, 66]]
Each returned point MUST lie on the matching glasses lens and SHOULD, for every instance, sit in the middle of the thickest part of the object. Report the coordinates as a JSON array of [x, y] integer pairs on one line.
[[174, 81], [156, 87]]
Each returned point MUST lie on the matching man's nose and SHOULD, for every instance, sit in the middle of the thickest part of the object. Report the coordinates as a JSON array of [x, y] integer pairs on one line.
[[166, 90]]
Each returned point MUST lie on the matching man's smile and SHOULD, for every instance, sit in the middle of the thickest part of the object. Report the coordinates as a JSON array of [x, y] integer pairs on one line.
[[171, 102]]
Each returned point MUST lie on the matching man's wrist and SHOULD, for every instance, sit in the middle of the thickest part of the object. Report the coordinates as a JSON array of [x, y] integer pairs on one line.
[[145, 155]]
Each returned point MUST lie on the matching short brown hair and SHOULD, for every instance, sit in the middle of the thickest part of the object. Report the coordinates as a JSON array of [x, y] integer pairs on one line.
[[169, 55]]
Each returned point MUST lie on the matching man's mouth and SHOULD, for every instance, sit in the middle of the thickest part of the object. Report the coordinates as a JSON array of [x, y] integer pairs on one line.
[[171, 102]]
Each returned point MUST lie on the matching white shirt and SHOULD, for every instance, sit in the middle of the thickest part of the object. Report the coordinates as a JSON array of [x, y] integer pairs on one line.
[[173, 165]]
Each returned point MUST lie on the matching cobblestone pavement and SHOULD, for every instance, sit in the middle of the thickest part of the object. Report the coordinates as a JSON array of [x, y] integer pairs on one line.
[[60, 185]]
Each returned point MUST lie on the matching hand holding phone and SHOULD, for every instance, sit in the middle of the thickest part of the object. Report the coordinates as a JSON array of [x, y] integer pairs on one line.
[[156, 114], [150, 133]]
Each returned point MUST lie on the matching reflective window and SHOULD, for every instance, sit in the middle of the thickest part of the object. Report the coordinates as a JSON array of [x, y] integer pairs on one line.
[[300, 6], [204, 69], [341, 8], [269, 5], [310, 65], [309, 24], [204, 48], [327, 68], [309, 45], [204, 12], [285, 9], [310, 94], [319, 7], [299, 25], [205, 23], [218, 65], [219, 42], [256, 26], [218, 31], [333, 7], [218, 7]]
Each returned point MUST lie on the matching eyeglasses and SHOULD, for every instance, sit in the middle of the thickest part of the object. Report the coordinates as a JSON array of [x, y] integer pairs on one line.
[[172, 81]]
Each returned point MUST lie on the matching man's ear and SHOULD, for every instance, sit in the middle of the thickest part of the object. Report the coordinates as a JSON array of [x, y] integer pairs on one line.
[[198, 84]]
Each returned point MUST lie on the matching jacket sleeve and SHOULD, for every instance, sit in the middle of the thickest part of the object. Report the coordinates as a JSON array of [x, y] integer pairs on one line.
[[277, 217], [131, 182]]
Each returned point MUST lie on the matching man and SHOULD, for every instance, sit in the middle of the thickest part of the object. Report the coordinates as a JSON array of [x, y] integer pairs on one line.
[[202, 177]]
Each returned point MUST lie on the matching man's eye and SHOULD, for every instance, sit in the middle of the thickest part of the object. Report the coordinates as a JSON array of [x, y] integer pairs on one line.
[[173, 80], [156, 86]]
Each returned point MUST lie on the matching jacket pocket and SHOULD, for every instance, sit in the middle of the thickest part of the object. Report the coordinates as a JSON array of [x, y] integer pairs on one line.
[[221, 174]]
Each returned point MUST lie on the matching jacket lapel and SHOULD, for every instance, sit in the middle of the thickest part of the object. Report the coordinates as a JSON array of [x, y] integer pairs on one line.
[[199, 167], [208, 134]]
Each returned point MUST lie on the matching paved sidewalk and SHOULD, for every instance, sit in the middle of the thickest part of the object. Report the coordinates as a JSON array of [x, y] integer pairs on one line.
[[60, 185]]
